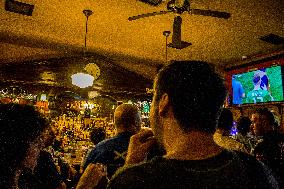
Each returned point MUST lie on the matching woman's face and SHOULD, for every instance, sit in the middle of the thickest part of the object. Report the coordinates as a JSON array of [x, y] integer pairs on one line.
[[49, 136], [32, 154]]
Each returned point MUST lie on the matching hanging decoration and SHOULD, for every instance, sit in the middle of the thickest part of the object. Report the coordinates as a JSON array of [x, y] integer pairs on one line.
[[93, 69]]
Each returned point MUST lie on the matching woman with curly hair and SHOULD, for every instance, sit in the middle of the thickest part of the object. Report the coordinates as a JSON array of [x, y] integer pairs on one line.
[[21, 128]]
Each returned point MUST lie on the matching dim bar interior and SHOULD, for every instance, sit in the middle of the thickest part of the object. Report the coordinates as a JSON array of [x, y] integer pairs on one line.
[[42, 50]]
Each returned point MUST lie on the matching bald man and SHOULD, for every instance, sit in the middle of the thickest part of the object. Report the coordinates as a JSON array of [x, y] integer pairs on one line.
[[112, 152]]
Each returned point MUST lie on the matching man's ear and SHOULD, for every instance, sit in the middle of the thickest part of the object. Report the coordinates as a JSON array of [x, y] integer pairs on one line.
[[164, 103]]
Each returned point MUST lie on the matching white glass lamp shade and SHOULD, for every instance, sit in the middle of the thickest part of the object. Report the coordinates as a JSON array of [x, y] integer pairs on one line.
[[82, 80]]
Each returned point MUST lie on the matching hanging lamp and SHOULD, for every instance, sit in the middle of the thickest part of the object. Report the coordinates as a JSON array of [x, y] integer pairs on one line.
[[81, 79], [166, 34]]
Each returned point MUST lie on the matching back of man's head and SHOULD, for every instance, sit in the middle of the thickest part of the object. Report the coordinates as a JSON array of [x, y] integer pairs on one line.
[[266, 118], [127, 118], [195, 91], [256, 78], [225, 120], [243, 125], [97, 135]]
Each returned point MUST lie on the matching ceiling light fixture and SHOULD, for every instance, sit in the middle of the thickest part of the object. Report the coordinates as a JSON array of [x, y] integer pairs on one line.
[[84, 80], [87, 13]]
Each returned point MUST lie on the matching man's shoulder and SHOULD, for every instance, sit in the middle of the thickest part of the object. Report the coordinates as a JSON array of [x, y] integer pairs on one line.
[[249, 94], [134, 175], [252, 92], [137, 167], [125, 137], [220, 171], [99, 148], [258, 170], [161, 173], [227, 142], [105, 149], [106, 142], [103, 143]]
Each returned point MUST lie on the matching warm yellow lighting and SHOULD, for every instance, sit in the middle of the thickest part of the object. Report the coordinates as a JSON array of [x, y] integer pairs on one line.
[[93, 70], [48, 77], [43, 97], [93, 94], [82, 80], [86, 105]]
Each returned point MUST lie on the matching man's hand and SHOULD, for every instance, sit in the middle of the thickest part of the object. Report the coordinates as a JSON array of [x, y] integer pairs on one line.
[[91, 176], [139, 146]]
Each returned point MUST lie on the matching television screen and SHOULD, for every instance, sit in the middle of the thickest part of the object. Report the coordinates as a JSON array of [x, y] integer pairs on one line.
[[262, 85]]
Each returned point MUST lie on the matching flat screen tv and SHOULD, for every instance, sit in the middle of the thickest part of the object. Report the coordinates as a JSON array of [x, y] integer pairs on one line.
[[259, 86]]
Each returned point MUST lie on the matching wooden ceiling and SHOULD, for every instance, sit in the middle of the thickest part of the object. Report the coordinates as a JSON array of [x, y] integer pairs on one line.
[[55, 33]]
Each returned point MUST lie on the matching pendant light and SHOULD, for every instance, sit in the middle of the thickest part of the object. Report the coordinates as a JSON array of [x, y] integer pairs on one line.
[[81, 79]]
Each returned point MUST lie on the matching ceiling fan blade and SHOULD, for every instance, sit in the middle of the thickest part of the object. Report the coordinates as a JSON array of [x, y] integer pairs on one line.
[[148, 15], [212, 13], [152, 2]]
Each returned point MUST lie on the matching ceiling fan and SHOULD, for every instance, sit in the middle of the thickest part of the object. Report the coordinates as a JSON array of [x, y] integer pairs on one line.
[[175, 7]]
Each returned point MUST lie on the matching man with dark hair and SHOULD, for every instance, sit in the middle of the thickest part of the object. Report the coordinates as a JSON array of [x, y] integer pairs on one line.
[[97, 135], [270, 143], [243, 125], [112, 152], [188, 96], [222, 133], [258, 94]]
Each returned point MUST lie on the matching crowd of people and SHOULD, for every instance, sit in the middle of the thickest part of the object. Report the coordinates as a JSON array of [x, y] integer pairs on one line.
[[188, 144]]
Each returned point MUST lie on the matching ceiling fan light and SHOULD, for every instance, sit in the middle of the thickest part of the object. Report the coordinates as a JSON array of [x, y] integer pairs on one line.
[[82, 80]]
